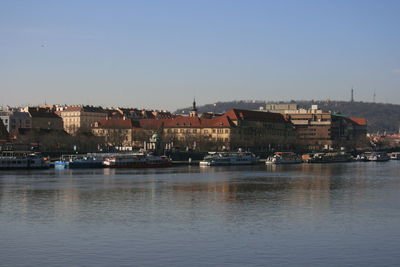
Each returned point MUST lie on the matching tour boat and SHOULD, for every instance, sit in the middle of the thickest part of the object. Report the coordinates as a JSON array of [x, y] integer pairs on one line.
[[10, 160], [378, 156], [284, 158], [330, 158], [79, 161], [229, 158], [138, 160]]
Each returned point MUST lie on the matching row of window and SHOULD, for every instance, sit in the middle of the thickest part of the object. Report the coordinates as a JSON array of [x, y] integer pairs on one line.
[[195, 131], [213, 139]]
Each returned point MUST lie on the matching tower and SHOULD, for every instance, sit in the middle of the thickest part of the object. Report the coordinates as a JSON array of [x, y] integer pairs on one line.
[[193, 112], [352, 94]]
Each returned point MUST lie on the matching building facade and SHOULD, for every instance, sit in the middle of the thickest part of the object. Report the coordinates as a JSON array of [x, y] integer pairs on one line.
[[117, 132], [14, 120], [81, 118], [316, 129], [257, 131], [44, 118]]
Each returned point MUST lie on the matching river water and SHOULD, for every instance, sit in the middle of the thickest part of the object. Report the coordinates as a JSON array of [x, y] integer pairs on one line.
[[301, 215]]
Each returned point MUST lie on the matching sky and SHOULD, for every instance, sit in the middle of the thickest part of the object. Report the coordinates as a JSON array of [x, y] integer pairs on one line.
[[162, 54]]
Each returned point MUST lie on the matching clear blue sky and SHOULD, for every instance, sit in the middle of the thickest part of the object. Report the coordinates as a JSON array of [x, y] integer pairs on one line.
[[160, 54]]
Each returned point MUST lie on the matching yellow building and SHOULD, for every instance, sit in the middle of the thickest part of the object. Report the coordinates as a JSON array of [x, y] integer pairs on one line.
[[116, 131], [234, 129]]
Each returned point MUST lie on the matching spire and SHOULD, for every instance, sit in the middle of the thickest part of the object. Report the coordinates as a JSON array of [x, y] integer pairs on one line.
[[193, 112], [194, 105]]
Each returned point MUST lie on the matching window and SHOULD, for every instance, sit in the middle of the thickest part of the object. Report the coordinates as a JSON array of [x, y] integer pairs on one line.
[[206, 131]]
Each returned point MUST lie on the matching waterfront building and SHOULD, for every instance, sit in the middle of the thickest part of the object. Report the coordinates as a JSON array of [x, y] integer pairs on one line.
[[117, 132], [316, 129], [81, 118], [258, 131]]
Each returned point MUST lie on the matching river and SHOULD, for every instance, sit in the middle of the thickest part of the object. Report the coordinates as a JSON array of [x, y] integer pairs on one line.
[[301, 215]]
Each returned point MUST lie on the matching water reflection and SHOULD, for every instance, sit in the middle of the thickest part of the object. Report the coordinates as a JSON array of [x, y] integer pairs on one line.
[[310, 214], [110, 194]]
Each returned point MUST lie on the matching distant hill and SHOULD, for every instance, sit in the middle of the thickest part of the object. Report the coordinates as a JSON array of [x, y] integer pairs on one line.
[[381, 117]]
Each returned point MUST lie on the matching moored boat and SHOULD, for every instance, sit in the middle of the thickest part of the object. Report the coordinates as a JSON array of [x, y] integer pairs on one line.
[[284, 158], [10, 160], [363, 156], [137, 160], [330, 157], [395, 155], [229, 158], [79, 161], [378, 156]]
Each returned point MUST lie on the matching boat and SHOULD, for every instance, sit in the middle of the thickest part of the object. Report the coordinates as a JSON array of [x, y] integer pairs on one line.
[[137, 160], [363, 156], [10, 160], [395, 155], [378, 156], [331, 157], [79, 161], [229, 158], [284, 158]]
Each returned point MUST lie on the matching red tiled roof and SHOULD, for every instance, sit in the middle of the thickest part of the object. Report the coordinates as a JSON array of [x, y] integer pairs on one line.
[[115, 123], [359, 121], [250, 115], [186, 122]]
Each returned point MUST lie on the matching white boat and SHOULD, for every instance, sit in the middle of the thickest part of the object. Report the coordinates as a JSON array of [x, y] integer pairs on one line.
[[10, 160], [284, 158], [378, 156], [229, 158], [395, 155]]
